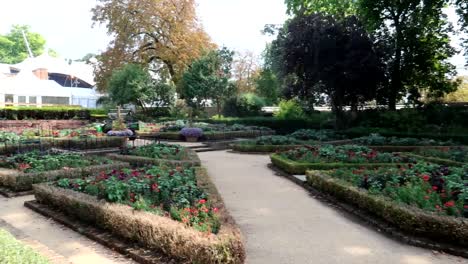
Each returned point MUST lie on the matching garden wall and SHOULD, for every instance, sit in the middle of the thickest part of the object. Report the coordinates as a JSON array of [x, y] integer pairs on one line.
[[18, 126]]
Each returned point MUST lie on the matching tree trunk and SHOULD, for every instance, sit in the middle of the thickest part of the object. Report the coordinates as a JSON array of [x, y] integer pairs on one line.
[[396, 83]]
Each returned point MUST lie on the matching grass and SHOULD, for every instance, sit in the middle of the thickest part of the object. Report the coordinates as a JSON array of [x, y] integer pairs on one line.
[[14, 252]]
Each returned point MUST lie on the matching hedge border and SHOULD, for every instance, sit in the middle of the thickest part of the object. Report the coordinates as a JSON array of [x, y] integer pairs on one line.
[[192, 160], [210, 136], [152, 231], [461, 138], [21, 182], [388, 148], [300, 168], [252, 148], [435, 160], [411, 220]]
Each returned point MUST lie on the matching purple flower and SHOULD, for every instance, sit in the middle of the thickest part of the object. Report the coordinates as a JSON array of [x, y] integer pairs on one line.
[[191, 132]]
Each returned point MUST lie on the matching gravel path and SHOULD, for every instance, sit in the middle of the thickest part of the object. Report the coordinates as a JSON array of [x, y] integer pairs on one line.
[[54, 241], [283, 224]]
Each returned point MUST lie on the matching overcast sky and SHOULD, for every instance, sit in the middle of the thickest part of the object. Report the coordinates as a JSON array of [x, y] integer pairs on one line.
[[66, 24]]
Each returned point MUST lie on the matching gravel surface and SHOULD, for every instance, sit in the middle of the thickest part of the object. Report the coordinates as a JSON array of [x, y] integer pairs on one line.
[[283, 224]]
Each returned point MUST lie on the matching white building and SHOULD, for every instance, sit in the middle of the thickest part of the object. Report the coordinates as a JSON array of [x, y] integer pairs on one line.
[[46, 81]]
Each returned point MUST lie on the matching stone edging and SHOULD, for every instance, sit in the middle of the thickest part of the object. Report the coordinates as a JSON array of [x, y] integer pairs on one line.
[[371, 221]]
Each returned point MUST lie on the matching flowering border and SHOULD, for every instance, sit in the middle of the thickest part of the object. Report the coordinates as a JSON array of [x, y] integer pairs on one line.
[[155, 232]]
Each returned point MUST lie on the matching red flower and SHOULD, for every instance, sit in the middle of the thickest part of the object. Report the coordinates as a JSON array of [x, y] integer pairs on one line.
[[135, 173], [216, 209], [449, 204], [154, 187], [435, 188], [202, 201], [426, 177]]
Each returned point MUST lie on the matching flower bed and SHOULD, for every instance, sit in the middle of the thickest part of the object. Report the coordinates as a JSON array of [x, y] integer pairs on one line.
[[457, 154], [35, 167], [317, 135], [298, 160], [395, 144], [158, 154], [176, 211], [267, 144], [421, 199]]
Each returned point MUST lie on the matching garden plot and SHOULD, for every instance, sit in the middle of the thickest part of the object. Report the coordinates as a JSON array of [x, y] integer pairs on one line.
[[299, 160], [158, 154], [175, 211], [21, 171]]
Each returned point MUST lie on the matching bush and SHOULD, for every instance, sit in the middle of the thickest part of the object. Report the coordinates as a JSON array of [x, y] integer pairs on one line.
[[321, 135], [244, 105], [51, 113], [289, 110]]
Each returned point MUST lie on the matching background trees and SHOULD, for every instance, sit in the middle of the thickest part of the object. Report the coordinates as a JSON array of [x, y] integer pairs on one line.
[[162, 34], [13, 49]]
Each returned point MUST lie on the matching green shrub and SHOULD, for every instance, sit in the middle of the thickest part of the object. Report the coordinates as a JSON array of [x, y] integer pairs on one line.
[[289, 110], [244, 105], [273, 140], [12, 251], [58, 113], [378, 140], [320, 135]]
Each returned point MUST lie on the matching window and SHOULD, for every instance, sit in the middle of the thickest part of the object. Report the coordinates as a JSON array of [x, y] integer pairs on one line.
[[55, 100], [32, 99], [9, 98], [21, 99]]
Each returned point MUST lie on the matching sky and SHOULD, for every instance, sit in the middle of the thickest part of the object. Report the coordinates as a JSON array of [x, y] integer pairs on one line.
[[67, 25]]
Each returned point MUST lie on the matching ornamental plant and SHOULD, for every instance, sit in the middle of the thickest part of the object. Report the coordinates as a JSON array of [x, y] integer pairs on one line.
[[378, 140], [345, 153], [120, 133], [165, 191], [431, 187], [37, 161], [273, 140], [191, 132], [158, 151], [321, 135], [9, 137], [459, 154]]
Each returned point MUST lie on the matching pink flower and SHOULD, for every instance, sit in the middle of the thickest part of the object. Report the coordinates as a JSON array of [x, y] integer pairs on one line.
[[202, 201], [449, 204], [426, 177], [435, 188]]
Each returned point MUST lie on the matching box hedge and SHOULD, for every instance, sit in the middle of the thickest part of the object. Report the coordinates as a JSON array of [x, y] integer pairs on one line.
[[293, 167], [252, 148], [19, 181], [150, 230], [191, 160], [45, 113], [410, 219]]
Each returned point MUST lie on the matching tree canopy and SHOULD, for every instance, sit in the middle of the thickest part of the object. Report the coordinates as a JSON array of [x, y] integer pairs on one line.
[[338, 8], [164, 35], [13, 48]]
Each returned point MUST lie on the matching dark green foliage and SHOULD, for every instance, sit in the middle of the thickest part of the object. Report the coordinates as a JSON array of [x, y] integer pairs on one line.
[[378, 140], [459, 154], [52, 113], [244, 105], [267, 86], [319, 135], [273, 140], [158, 151]]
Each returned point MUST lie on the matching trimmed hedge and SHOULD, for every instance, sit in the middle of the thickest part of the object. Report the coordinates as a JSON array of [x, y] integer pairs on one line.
[[150, 230], [406, 148], [57, 113], [209, 135], [436, 160], [410, 219], [251, 148], [19, 181], [63, 143], [293, 167], [192, 159]]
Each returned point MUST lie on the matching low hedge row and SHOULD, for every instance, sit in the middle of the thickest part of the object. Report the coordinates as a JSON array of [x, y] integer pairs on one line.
[[208, 135], [436, 160], [412, 220], [192, 160], [63, 143], [252, 148], [406, 148], [150, 230], [52, 113], [19, 181], [293, 167]]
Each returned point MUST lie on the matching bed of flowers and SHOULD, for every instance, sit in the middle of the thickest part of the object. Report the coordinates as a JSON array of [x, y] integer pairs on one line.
[[378, 140], [458, 154], [267, 144], [420, 198], [157, 151], [166, 192], [298, 160], [317, 135]]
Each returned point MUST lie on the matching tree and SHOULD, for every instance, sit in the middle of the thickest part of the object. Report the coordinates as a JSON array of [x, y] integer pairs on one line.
[[208, 78], [462, 10], [160, 34], [267, 86], [415, 37], [13, 48], [245, 70], [460, 95], [133, 84], [325, 56], [337, 8]]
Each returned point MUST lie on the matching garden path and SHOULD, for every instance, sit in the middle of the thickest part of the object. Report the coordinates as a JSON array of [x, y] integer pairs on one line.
[[283, 224], [60, 244]]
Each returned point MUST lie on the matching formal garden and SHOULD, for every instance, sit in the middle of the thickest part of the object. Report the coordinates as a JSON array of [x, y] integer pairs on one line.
[[353, 120]]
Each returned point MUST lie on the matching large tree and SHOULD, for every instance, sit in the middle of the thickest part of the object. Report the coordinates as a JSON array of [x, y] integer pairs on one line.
[[208, 79], [13, 48], [267, 86], [132, 84], [245, 70], [462, 10], [337, 8], [323, 55], [415, 37], [163, 34]]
